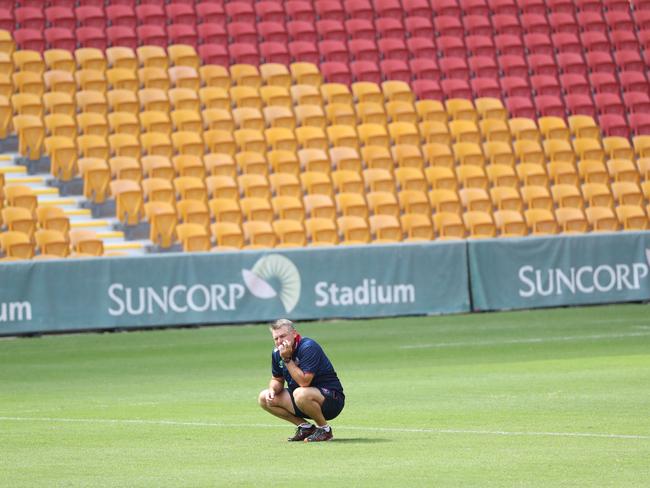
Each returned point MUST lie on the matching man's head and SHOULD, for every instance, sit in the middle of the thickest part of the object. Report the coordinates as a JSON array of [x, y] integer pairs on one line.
[[283, 330]]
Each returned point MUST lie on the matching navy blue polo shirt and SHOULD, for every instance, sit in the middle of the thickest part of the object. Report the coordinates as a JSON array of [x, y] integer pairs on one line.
[[310, 358]]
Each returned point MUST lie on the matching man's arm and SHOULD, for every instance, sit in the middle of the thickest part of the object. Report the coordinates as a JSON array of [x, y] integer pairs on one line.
[[276, 385], [303, 379]]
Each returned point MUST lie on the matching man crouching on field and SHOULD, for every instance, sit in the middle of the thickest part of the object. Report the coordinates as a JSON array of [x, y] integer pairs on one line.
[[314, 390]]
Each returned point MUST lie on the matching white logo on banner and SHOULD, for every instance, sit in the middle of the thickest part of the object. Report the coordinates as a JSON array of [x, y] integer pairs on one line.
[[15, 312], [274, 268], [584, 279]]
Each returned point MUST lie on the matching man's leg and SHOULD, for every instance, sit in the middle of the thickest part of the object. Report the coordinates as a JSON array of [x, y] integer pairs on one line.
[[310, 400], [280, 406]]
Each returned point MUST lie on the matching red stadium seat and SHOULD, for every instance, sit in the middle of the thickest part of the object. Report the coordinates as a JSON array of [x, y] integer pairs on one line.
[[603, 83], [515, 86], [243, 53], [214, 54], [629, 60], [417, 8], [446, 7], [275, 52], [151, 15], [331, 30], [546, 85], [359, 9], [181, 13], [539, 44], [153, 35], [561, 6], [271, 32], [456, 88], [269, 11], [211, 12], [595, 41], [329, 9], [242, 32], [300, 10], [503, 7], [617, 5], [633, 81], [366, 71], [580, 104], [450, 46], [619, 20], [425, 68], [480, 46], [392, 49], [640, 124], [588, 5], [483, 66], [388, 8], [182, 34], [421, 47], [533, 23], [454, 68], [542, 64], [507, 44], [210, 32], [301, 31], [91, 17], [336, 73], [60, 17], [304, 51], [477, 25], [601, 62], [29, 18], [390, 28], [395, 69], [91, 37], [360, 29], [532, 6], [507, 24], [572, 63], [363, 50], [591, 21], [512, 65], [563, 22], [122, 15], [31, 39], [520, 107], [625, 39], [427, 89], [7, 21], [609, 103], [335, 51], [447, 25], [475, 7], [637, 103], [549, 105], [240, 12], [613, 125], [485, 87], [567, 42], [119, 35], [642, 19], [60, 38]]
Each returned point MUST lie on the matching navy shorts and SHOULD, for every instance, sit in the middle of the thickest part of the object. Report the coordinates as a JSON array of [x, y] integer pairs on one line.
[[331, 408]]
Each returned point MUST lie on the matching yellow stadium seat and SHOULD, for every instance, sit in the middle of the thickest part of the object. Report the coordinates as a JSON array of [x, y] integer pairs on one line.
[[532, 174], [184, 99], [61, 125], [632, 217], [288, 207], [583, 126], [189, 165], [250, 162], [479, 224], [248, 118], [152, 56], [461, 109], [157, 167], [345, 158], [502, 175], [221, 186], [343, 136], [559, 151], [59, 103], [306, 95], [246, 96], [353, 230], [193, 212], [155, 121], [129, 201], [27, 104], [228, 235], [641, 146], [92, 101], [162, 223], [21, 196], [441, 177], [31, 134], [59, 59], [218, 118], [499, 153], [434, 131], [371, 113], [336, 93], [154, 99], [156, 144], [597, 195], [183, 55], [121, 57], [220, 142], [524, 129], [623, 170], [475, 199], [193, 237], [602, 219], [541, 221], [644, 168], [215, 76], [124, 145], [187, 120], [316, 183], [587, 148], [250, 140], [225, 210], [27, 60], [593, 171], [510, 223], [411, 179], [289, 233], [373, 135], [184, 77], [319, 206], [279, 117], [52, 242], [16, 245], [187, 142], [617, 147], [506, 198], [158, 190], [285, 161], [384, 203], [125, 168], [444, 200], [246, 75], [125, 123], [448, 225], [494, 130], [537, 197], [29, 82], [86, 242], [220, 164], [256, 209], [347, 181], [306, 73], [6, 86], [91, 123], [7, 44], [403, 133], [468, 154], [215, 98], [340, 114], [464, 131], [90, 58], [377, 179], [92, 146], [281, 139], [153, 78], [431, 110], [563, 173], [53, 218], [377, 157], [571, 220], [401, 111], [254, 185], [554, 128], [91, 80], [274, 74], [417, 227], [366, 91], [385, 229], [438, 155], [19, 219], [529, 151], [567, 196], [351, 204], [471, 176], [312, 138], [63, 157], [276, 96], [310, 116], [314, 160], [627, 193], [397, 90], [190, 188], [321, 232], [407, 155], [491, 108]]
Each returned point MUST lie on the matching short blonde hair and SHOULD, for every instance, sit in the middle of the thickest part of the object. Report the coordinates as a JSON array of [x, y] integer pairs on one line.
[[280, 323]]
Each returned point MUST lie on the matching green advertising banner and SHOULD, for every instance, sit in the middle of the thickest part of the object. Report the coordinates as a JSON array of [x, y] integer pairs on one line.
[[210, 288], [560, 270]]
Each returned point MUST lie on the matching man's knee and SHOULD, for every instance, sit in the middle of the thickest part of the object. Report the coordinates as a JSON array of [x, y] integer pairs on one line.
[[302, 395], [262, 399]]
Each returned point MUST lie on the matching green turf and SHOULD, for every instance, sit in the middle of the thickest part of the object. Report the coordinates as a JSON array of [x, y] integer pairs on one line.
[[474, 400]]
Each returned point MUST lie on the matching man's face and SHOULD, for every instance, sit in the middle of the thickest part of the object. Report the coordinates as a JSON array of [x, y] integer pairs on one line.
[[283, 334]]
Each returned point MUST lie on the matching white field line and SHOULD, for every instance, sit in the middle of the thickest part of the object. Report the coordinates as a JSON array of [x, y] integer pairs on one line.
[[400, 430], [529, 340]]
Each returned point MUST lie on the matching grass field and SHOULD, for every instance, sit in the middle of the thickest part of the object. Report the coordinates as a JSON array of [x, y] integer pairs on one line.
[[541, 398]]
